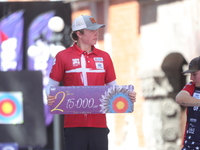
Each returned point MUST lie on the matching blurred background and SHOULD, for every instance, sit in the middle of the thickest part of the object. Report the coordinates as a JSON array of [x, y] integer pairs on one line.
[[150, 42]]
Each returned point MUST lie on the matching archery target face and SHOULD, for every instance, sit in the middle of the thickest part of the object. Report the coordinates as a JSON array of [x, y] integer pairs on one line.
[[11, 108]]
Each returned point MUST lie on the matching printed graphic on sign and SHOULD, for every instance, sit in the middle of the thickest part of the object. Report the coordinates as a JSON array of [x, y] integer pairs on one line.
[[11, 108], [91, 99], [8, 146]]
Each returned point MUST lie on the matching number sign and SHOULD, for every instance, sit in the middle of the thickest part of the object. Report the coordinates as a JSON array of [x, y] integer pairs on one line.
[[91, 99]]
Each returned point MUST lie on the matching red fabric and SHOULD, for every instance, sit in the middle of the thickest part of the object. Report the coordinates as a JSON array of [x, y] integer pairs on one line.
[[69, 69], [189, 87]]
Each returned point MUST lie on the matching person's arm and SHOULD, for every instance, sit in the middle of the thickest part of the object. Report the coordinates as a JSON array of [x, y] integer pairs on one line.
[[50, 99], [185, 99], [111, 83]]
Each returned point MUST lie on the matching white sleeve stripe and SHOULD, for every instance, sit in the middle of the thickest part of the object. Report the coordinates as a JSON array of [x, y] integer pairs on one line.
[[50, 83], [112, 83]]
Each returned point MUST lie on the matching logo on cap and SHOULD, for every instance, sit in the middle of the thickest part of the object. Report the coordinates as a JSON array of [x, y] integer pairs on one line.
[[93, 20]]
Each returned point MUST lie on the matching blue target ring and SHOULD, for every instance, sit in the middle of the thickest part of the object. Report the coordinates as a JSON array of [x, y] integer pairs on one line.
[[17, 104]]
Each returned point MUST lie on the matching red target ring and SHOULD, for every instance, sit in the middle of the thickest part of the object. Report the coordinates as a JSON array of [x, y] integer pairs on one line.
[[7, 107], [120, 105]]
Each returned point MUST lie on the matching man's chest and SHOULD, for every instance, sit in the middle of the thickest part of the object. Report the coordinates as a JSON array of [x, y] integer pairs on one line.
[[84, 62]]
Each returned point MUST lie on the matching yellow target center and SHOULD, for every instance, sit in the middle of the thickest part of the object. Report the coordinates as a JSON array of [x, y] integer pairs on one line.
[[7, 108], [120, 105]]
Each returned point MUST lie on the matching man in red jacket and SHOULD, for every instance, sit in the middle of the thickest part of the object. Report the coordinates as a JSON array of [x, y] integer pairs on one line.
[[84, 65]]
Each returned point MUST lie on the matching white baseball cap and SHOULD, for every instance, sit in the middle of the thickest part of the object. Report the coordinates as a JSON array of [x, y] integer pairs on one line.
[[86, 22]]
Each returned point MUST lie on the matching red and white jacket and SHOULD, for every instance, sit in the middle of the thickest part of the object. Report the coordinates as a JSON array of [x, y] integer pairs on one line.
[[75, 67]]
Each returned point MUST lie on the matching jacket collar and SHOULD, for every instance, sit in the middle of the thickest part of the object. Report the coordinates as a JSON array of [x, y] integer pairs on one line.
[[80, 51]]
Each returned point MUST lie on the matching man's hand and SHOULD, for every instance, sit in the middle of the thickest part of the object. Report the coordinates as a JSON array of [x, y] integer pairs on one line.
[[50, 99], [133, 96]]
